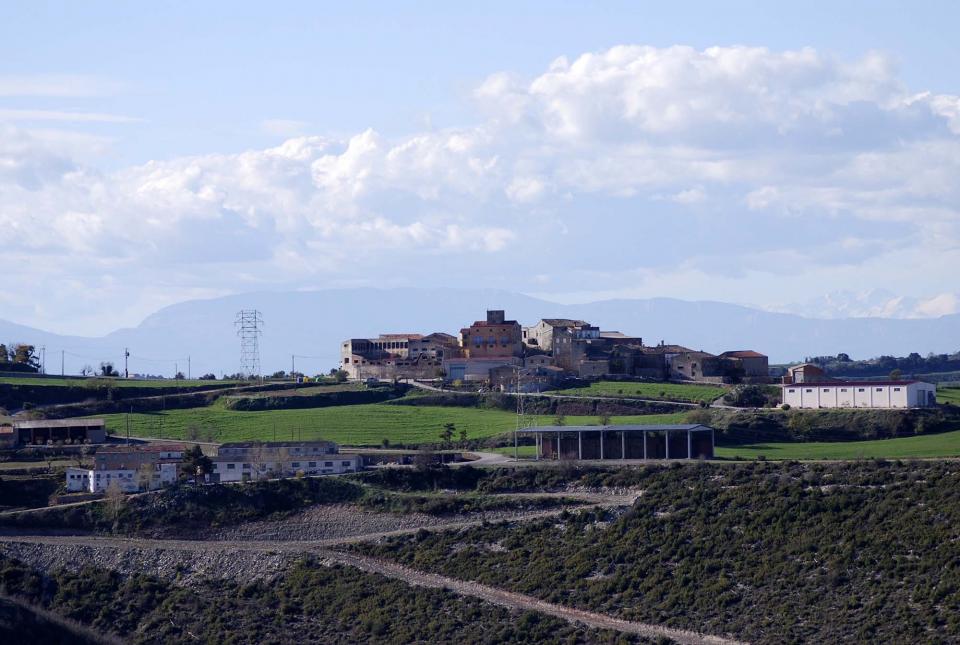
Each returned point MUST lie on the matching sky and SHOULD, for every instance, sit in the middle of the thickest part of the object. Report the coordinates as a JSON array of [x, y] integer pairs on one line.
[[792, 156]]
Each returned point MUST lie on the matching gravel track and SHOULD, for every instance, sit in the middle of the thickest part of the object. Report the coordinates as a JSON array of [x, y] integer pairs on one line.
[[520, 602], [264, 550]]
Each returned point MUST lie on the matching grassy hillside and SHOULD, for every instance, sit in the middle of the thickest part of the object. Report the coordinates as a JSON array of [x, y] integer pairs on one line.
[[770, 553], [108, 382], [660, 391], [949, 395], [363, 425], [946, 444]]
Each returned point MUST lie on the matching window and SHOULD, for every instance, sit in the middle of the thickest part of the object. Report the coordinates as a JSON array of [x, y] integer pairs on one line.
[[345, 463], [809, 390], [826, 389], [231, 466], [861, 390], [246, 466], [896, 389], [312, 464], [328, 464], [791, 390], [295, 464], [879, 389], [843, 389]]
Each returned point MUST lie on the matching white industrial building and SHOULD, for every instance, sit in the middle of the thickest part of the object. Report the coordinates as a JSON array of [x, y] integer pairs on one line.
[[860, 394]]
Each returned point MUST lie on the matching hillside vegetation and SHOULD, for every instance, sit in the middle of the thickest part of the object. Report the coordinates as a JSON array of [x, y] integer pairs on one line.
[[310, 603], [772, 553]]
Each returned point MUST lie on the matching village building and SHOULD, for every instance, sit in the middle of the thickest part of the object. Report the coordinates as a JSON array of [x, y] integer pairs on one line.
[[752, 365], [859, 394], [391, 356], [805, 373], [477, 369], [496, 337], [540, 336], [129, 469], [42, 432], [236, 462], [622, 442]]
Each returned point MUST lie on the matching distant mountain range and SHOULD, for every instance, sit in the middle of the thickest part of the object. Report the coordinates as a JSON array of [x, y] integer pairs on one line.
[[310, 324]]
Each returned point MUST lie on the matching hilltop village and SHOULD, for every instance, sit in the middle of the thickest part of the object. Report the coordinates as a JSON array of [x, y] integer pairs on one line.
[[497, 350]]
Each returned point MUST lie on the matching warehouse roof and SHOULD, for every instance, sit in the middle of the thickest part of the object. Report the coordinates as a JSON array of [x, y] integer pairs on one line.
[[620, 428]]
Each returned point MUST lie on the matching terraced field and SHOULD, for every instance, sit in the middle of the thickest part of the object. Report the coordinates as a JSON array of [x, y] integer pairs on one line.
[[949, 395], [661, 391], [946, 444], [360, 425]]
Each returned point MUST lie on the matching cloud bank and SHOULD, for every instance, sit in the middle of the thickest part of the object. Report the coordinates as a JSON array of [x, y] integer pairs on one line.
[[734, 173]]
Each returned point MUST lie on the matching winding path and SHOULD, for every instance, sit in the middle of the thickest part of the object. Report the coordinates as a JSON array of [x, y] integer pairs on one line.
[[324, 550]]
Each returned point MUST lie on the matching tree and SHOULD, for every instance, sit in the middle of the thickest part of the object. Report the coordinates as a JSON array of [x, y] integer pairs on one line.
[[178, 376], [106, 369], [604, 419], [86, 370], [196, 464], [447, 434], [843, 358], [145, 474], [559, 419], [81, 455], [115, 500], [24, 355], [463, 437], [896, 374], [209, 377], [4, 354]]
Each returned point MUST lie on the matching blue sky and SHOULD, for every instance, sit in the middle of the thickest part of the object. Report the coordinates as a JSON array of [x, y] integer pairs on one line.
[[793, 157]]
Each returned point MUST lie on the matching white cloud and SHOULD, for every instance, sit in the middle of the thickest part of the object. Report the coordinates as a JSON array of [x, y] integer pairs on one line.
[[693, 195], [790, 165]]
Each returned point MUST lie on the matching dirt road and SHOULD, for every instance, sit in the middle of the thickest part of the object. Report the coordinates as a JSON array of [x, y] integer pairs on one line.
[[520, 602], [324, 551]]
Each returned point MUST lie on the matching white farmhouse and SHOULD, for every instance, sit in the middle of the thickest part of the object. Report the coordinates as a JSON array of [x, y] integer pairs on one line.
[[860, 394], [260, 460], [131, 469]]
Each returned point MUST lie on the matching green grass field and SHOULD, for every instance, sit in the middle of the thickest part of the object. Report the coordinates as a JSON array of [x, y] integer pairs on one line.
[[661, 391], [359, 425], [946, 444], [116, 382], [525, 452], [948, 395]]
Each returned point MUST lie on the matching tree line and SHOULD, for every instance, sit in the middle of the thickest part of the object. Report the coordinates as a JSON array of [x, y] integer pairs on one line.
[[19, 357]]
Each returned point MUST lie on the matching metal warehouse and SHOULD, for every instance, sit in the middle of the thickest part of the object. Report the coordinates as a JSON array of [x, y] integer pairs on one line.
[[688, 441]]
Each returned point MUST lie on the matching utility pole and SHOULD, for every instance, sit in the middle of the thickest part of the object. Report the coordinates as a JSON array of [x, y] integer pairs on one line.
[[43, 359], [516, 442], [126, 355]]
